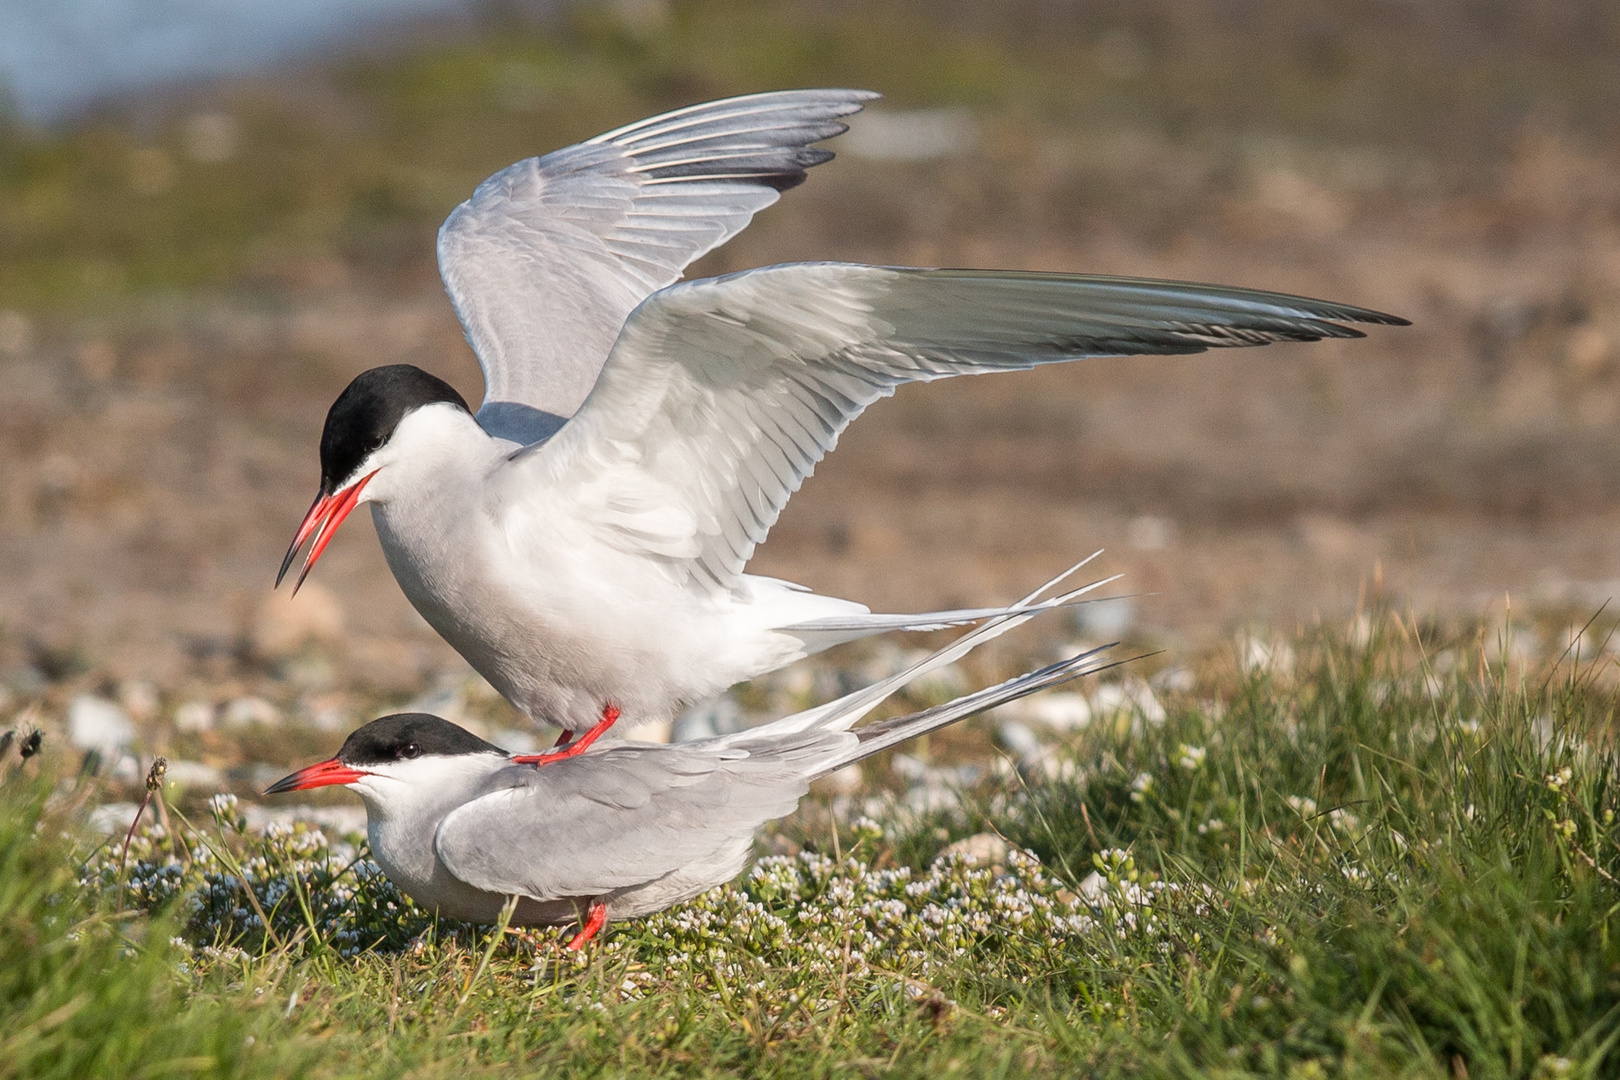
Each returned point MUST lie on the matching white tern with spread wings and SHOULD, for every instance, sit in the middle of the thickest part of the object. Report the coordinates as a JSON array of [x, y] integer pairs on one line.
[[581, 538]]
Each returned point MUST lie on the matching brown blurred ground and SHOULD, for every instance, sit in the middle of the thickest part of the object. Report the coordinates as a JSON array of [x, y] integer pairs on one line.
[[159, 449]]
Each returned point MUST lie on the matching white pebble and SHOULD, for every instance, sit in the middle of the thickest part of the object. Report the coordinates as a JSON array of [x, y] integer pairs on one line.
[[1061, 710], [194, 716], [248, 711], [194, 774], [94, 723]]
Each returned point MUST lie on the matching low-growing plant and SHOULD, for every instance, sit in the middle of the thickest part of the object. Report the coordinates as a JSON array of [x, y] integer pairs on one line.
[[1356, 866]]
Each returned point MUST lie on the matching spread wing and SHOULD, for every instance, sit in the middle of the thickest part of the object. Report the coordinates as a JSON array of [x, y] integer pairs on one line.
[[628, 815], [722, 394], [550, 255]]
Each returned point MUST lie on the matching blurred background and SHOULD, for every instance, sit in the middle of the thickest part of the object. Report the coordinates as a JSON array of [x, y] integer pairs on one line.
[[214, 213]]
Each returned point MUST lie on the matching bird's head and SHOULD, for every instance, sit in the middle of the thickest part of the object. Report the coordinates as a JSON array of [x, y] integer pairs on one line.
[[401, 759], [377, 422]]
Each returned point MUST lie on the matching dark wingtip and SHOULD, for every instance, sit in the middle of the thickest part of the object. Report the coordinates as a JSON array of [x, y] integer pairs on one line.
[[784, 181]]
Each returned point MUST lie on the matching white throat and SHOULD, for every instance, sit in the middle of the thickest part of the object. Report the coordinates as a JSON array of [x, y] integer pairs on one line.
[[435, 450], [406, 801]]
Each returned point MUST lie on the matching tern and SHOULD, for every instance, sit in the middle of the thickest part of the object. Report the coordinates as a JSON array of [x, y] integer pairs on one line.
[[581, 538], [474, 833]]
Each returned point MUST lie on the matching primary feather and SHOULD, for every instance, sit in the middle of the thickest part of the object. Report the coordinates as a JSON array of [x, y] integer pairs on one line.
[[721, 395]]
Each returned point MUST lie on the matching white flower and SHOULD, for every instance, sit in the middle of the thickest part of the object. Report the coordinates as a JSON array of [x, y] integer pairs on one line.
[[1343, 820]]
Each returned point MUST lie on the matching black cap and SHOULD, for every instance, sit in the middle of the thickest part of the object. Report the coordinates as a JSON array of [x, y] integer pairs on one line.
[[410, 735], [364, 416]]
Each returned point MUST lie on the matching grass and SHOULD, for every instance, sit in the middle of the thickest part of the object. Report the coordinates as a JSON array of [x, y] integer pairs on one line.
[[1390, 858]]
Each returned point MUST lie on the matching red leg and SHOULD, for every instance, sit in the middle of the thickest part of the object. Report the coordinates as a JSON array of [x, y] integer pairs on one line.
[[595, 919], [610, 713]]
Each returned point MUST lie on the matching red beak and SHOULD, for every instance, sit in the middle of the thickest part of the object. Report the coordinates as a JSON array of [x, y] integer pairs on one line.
[[323, 519], [322, 774]]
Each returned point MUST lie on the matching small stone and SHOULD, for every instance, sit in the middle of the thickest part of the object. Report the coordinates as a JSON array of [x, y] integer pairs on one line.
[[846, 781], [194, 774], [1017, 738], [94, 723], [113, 817], [328, 712], [250, 712], [194, 716], [1061, 710], [945, 776], [1179, 680], [983, 849]]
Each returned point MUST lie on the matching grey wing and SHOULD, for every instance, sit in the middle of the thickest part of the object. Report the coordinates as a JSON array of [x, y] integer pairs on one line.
[[628, 815], [550, 255], [722, 394]]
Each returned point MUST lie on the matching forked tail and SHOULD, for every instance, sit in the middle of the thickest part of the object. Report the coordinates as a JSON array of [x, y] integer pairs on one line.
[[820, 634], [886, 733], [843, 713]]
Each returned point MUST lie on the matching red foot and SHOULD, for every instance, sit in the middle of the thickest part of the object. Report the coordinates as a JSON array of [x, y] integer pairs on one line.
[[595, 919], [563, 740], [610, 713]]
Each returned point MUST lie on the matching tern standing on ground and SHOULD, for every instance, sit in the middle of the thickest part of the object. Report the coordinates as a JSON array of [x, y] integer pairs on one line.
[[464, 828], [581, 539]]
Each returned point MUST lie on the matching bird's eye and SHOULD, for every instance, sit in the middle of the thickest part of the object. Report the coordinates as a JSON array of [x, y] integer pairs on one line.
[[410, 750], [375, 443]]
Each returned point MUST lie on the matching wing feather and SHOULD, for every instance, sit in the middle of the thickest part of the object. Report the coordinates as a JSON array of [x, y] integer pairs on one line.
[[550, 255], [627, 815], [721, 395]]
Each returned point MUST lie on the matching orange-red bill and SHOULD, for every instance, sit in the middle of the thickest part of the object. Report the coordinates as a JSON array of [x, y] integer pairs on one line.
[[321, 774], [326, 513], [318, 511]]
